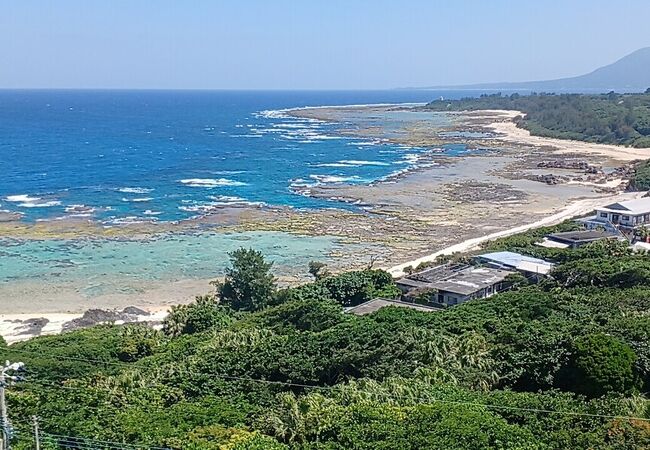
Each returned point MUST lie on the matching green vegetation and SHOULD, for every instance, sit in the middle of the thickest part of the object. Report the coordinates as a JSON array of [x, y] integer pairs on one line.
[[640, 181], [547, 366], [612, 118], [249, 284]]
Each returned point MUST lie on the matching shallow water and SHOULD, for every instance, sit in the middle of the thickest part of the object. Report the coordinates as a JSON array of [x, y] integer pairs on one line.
[[105, 266], [129, 156]]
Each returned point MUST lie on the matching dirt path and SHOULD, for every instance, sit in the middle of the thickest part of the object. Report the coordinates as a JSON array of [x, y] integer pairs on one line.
[[575, 209]]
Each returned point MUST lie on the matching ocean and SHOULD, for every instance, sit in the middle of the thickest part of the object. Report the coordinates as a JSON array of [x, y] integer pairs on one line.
[[128, 156], [117, 157]]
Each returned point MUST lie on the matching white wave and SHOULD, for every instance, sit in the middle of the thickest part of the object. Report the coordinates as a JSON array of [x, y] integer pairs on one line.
[[298, 126], [333, 178], [134, 190], [355, 162], [337, 164], [273, 114], [351, 163], [21, 198], [411, 158], [129, 220], [364, 143], [322, 137], [360, 105], [137, 200], [205, 208], [227, 198], [210, 182], [40, 205], [149, 212]]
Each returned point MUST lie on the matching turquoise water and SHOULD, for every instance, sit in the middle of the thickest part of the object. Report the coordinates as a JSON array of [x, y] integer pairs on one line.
[[131, 156], [104, 266]]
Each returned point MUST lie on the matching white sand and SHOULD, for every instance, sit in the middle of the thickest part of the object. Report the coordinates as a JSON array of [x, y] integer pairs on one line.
[[575, 209], [13, 329], [509, 132]]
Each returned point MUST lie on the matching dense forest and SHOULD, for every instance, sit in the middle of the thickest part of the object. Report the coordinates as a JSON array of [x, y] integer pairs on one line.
[[612, 118], [557, 365]]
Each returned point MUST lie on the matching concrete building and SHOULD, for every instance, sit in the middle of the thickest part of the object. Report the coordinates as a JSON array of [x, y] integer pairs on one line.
[[449, 285], [376, 304], [527, 265], [575, 239]]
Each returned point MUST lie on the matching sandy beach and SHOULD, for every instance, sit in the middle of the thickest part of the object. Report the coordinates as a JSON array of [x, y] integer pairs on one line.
[[507, 182], [509, 132]]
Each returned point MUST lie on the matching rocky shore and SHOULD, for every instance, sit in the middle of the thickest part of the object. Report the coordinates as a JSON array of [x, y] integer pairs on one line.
[[505, 180]]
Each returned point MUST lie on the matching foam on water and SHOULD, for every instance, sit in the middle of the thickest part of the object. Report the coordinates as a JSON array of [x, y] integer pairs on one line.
[[110, 150], [21, 198], [36, 204], [137, 200], [134, 190], [211, 182]]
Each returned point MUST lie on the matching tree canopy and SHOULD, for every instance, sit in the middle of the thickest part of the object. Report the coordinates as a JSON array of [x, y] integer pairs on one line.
[[553, 365], [607, 118]]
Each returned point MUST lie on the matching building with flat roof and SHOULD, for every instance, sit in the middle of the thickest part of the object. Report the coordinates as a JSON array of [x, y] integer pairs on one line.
[[452, 284], [527, 265], [376, 304], [575, 239], [470, 283]]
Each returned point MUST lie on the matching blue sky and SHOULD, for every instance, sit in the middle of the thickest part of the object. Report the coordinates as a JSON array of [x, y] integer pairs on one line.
[[307, 44]]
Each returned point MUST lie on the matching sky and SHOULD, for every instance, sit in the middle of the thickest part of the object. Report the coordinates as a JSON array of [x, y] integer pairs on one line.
[[309, 44]]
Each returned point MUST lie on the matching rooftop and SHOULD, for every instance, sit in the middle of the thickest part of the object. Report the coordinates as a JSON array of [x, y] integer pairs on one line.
[[411, 283], [376, 304], [632, 207], [470, 280], [517, 261], [582, 236], [548, 243], [438, 272]]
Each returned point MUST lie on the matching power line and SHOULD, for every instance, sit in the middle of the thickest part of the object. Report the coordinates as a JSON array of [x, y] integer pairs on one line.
[[325, 388], [384, 395], [76, 441]]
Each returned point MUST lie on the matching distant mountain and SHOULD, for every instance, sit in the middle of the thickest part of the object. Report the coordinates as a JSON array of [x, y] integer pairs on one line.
[[629, 74]]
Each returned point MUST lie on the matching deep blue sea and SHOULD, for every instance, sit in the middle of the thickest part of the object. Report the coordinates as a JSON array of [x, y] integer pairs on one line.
[[128, 156]]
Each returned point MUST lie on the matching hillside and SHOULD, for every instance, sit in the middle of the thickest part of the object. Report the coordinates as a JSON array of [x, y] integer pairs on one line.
[[629, 74], [557, 365]]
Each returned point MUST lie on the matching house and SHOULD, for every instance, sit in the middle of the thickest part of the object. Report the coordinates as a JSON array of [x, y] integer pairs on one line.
[[627, 214], [452, 284], [575, 239], [528, 266], [376, 304], [468, 284], [421, 281]]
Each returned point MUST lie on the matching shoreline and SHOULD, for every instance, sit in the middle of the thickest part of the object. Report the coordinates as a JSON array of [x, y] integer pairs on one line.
[[577, 209], [14, 327], [454, 204]]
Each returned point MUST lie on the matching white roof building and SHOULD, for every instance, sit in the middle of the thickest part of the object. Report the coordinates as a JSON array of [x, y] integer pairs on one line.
[[512, 260], [629, 213]]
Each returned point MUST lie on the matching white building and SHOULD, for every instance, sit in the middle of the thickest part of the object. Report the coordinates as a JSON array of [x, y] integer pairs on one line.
[[630, 214], [530, 267]]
